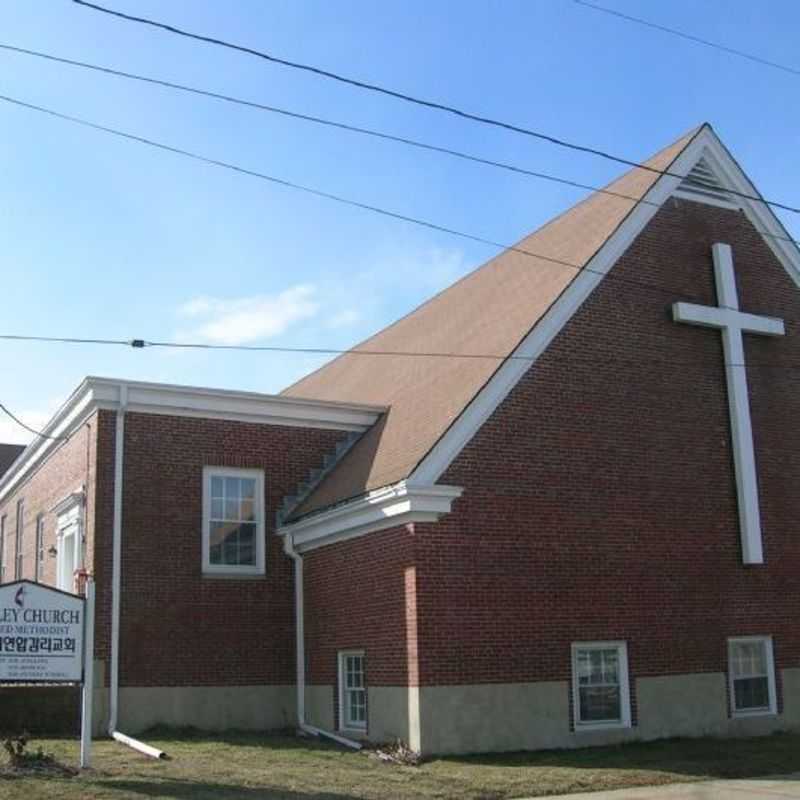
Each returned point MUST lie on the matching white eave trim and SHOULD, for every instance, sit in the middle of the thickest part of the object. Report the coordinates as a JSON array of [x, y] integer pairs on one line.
[[383, 508], [183, 401], [705, 145]]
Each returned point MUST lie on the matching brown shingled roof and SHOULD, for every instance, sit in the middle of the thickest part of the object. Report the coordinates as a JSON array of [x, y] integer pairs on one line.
[[8, 455], [488, 312]]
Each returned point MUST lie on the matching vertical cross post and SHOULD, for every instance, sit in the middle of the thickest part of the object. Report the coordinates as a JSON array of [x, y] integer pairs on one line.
[[732, 323]]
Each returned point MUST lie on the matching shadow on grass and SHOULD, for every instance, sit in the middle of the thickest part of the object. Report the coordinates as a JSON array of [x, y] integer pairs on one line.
[[283, 740], [707, 757], [204, 790]]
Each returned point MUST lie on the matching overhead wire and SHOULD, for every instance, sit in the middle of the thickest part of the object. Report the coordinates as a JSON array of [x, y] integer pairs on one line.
[[410, 98], [344, 126], [688, 36], [315, 119], [28, 428], [362, 351], [338, 198]]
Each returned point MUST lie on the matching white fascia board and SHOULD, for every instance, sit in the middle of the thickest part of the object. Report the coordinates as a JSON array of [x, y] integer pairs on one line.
[[183, 401], [380, 509], [704, 145], [157, 398]]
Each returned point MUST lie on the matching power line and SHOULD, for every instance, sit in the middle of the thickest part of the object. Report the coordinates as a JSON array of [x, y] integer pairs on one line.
[[319, 120], [28, 427], [338, 198], [347, 127], [329, 196], [411, 99], [141, 344], [690, 37]]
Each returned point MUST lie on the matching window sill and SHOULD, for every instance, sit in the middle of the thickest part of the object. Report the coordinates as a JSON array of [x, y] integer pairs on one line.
[[589, 727], [360, 733], [768, 712], [236, 576]]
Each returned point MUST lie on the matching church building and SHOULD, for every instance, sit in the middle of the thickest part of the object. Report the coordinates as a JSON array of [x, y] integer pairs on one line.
[[555, 506]]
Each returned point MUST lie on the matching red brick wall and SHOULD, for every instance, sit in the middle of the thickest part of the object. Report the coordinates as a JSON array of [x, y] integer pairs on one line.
[[600, 499], [69, 468], [179, 627], [360, 595]]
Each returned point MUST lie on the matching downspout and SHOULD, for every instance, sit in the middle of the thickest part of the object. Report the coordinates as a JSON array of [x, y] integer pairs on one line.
[[300, 649], [116, 585]]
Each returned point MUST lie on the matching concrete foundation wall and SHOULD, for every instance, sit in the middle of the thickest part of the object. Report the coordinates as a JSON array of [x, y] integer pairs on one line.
[[458, 719], [211, 708], [530, 716], [319, 707], [389, 713]]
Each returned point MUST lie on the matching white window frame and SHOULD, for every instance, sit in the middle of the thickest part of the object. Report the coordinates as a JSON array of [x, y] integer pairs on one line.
[[231, 570], [346, 724], [39, 557], [69, 533], [19, 534], [624, 687], [770, 660]]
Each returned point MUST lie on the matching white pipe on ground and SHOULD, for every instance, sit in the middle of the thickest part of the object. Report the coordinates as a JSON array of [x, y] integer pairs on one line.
[[300, 650], [153, 752], [116, 586], [328, 735]]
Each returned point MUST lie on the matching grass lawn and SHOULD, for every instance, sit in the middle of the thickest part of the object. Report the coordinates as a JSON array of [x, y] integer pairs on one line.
[[246, 767]]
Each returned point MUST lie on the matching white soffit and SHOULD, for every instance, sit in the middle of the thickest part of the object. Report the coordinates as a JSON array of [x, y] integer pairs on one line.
[[388, 507]]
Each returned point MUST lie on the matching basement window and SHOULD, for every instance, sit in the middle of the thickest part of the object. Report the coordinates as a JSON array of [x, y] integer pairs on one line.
[[751, 672], [352, 691], [600, 693], [233, 521]]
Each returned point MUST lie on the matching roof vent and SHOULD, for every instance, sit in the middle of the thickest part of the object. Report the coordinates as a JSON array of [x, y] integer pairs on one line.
[[702, 184]]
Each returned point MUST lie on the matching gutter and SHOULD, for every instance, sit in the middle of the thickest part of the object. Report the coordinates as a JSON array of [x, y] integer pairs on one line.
[[300, 651], [116, 586]]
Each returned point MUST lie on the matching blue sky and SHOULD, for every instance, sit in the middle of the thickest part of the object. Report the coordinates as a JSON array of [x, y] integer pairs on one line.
[[106, 238]]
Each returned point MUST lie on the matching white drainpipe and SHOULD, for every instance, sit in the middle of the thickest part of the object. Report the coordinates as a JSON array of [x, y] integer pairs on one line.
[[300, 649], [116, 586]]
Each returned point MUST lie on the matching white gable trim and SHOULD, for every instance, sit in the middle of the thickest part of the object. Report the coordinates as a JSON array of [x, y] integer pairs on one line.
[[704, 145], [182, 401], [380, 509]]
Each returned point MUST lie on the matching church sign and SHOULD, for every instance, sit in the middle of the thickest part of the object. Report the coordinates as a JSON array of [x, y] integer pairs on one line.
[[41, 634]]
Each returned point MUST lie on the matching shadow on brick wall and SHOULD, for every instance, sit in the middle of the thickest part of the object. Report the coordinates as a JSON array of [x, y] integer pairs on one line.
[[53, 710]]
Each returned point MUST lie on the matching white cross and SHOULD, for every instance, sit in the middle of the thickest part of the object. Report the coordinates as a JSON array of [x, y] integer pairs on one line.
[[732, 322]]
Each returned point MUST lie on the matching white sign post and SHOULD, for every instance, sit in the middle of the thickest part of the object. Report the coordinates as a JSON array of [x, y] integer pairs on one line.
[[47, 636], [88, 677]]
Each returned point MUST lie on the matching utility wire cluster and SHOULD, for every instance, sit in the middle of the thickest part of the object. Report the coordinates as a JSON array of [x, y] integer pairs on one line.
[[443, 107]]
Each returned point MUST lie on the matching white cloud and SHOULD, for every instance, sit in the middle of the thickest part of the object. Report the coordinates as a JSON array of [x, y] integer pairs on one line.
[[248, 319], [199, 305], [344, 318]]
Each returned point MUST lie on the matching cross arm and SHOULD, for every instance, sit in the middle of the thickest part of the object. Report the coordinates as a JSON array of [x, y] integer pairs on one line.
[[713, 317]]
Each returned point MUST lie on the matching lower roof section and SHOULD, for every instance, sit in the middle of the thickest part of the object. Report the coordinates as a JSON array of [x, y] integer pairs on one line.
[[185, 401], [377, 510]]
